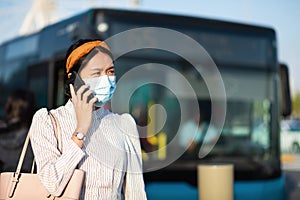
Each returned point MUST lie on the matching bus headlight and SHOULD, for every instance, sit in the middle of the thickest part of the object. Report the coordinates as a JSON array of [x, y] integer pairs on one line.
[[102, 27]]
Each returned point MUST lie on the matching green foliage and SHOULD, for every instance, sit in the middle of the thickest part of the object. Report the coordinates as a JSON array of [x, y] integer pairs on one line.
[[296, 105]]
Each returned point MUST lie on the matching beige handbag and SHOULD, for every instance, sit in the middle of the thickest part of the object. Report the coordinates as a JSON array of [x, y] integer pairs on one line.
[[27, 186]]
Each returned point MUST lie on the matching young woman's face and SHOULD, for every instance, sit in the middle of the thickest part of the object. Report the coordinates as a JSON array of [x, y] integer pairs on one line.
[[99, 65]]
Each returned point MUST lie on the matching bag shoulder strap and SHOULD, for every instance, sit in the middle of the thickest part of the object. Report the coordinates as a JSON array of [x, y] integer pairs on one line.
[[23, 153], [57, 131]]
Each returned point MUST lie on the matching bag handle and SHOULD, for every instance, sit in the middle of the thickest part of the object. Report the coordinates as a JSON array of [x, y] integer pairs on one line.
[[17, 174], [23, 153], [57, 132]]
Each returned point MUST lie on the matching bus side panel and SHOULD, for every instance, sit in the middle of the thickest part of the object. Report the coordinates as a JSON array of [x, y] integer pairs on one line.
[[243, 190], [171, 190], [266, 189]]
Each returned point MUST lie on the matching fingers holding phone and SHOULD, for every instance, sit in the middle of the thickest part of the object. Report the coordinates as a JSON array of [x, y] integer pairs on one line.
[[83, 107]]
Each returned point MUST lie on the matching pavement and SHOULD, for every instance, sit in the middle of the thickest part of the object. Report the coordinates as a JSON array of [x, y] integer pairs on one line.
[[291, 168]]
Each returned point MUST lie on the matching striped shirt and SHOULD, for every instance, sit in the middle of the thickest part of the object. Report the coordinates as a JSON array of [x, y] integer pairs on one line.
[[110, 157]]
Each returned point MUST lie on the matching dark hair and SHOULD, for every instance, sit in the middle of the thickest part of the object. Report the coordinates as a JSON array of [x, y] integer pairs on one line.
[[81, 62], [21, 104]]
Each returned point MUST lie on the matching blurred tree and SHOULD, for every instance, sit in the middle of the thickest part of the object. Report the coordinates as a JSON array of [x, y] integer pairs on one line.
[[296, 105]]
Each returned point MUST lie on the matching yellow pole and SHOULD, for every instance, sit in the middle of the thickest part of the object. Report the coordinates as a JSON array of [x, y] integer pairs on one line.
[[151, 126], [162, 143], [215, 182]]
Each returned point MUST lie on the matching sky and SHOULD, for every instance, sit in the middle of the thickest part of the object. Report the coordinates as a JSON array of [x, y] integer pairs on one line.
[[282, 15]]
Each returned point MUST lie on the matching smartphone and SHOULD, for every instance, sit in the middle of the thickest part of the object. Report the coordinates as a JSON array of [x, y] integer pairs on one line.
[[78, 82]]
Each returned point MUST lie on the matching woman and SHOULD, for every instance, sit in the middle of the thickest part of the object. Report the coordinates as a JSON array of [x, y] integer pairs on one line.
[[105, 145]]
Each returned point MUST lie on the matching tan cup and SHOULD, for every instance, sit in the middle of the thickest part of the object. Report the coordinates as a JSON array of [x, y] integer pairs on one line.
[[215, 182]]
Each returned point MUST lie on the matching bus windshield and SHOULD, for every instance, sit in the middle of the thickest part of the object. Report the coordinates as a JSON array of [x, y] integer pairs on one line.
[[246, 136]]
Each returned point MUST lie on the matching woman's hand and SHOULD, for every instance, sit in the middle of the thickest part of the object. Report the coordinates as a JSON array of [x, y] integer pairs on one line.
[[83, 108]]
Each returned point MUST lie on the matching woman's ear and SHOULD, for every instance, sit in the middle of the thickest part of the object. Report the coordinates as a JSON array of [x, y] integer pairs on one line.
[[69, 75]]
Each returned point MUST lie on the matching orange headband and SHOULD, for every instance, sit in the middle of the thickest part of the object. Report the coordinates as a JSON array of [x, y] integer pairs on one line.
[[82, 51]]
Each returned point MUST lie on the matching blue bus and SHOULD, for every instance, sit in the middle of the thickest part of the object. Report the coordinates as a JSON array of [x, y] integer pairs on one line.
[[255, 83]]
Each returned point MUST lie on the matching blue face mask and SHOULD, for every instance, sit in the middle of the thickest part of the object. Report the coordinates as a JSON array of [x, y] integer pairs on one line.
[[103, 86]]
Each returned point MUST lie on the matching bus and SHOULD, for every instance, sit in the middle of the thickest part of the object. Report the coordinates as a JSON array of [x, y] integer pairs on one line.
[[256, 87]]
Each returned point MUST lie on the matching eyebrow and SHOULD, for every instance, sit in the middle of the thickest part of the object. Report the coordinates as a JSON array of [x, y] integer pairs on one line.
[[111, 67], [96, 68]]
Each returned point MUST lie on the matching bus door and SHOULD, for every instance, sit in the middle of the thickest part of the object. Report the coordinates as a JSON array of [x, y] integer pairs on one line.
[[59, 97], [38, 82]]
